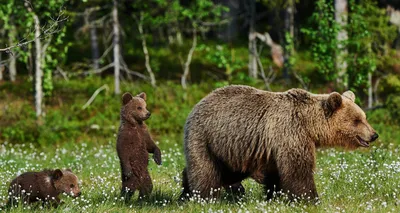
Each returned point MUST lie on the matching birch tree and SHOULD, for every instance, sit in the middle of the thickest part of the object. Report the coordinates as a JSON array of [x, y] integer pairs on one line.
[[38, 62], [42, 39], [116, 35], [341, 19]]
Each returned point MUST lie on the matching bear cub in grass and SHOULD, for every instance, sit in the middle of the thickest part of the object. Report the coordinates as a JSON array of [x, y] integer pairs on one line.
[[133, 145], [44, 186], [237, 132]]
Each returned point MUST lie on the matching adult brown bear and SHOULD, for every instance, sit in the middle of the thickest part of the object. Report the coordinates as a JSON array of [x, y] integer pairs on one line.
[[238, 131]]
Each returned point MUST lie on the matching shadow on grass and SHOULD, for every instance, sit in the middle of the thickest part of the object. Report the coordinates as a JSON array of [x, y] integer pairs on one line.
[[157, 198]]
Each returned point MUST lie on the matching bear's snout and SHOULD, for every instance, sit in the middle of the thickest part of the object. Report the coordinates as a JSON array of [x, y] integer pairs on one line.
[[148, 114], [374, 136]]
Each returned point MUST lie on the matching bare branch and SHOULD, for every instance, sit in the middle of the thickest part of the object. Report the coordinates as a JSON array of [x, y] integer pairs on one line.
[[52, 29], [104, 87], [63, 74], [94, 71], [189, 60], [127, 70], [105, 52], [303, 84]]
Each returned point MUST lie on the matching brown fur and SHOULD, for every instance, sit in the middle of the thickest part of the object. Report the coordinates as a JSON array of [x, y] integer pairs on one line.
[[133, 145], [239, 131], [43, 186]]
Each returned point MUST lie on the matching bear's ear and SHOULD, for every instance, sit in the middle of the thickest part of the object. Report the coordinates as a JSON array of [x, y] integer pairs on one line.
[[68, 170], [331, 104], [350, 95], [57, 174], [142, 95], [126, 97]]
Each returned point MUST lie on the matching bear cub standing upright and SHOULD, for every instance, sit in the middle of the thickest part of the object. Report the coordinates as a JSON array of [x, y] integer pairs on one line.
[[133, 145], [43, 186]]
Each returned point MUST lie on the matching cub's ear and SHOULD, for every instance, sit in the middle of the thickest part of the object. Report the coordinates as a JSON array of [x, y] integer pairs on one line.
[[142, 95], [350, 95], [331, 104], [126, 97], [68, 170], [57, 174]]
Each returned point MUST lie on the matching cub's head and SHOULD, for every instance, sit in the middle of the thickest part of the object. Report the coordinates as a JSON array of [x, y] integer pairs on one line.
[[347, 121], [66, 182], [134, 107]]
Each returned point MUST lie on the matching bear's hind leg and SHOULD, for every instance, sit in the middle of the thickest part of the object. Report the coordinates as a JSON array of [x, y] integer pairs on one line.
[[186, 192], [127, 193], [236, 189], [204, 178], [272, 184], [128, 189], [146, 186]]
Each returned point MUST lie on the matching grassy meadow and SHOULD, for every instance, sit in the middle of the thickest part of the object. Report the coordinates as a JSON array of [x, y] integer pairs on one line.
[[364, 180]]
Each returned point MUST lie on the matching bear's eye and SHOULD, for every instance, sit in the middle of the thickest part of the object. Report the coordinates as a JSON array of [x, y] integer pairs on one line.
[[357, 121], [72, 185], [139, 108]]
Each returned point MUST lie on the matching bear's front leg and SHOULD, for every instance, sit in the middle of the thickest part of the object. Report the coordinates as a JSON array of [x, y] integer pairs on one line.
[[157, 155], [296, 172], [152, 147]]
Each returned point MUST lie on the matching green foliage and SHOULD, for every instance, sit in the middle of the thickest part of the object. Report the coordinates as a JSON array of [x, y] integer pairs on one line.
[[65, 120], [393, 106], [56, 55], [203, 11], [224, 58], [368, 43], [323, 38]]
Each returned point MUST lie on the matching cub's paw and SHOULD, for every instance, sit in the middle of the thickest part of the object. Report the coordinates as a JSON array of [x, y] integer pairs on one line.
[[157, 157]]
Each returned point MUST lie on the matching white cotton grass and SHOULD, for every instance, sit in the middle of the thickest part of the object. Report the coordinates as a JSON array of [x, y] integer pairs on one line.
[[366, 180]]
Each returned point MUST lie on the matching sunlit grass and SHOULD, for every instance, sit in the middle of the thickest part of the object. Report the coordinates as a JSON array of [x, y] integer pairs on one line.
[[357, 181]]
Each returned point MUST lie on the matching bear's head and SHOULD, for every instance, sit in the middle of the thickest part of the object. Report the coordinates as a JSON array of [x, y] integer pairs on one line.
[[66, 182], [134, 108], [347, 121]]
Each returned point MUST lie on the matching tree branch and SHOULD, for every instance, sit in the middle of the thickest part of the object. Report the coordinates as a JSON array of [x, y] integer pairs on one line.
[[104, 87], [52, 29]]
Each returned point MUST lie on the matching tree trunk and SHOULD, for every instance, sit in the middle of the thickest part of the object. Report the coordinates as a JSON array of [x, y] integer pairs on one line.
[[38, 68], [13, 60], [370, 95], [289, 31], [116, 48], [146, 52], [186, 70], [228, 32], [179, 39], [95, 47], [341, 64], [2, 68], [253, 71]]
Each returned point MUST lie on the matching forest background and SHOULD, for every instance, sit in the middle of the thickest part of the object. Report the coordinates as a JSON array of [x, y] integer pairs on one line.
[[65, 64]]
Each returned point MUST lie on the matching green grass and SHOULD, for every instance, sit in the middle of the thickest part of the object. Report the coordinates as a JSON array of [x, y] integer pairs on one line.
[[84, 140], [357, 181]]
